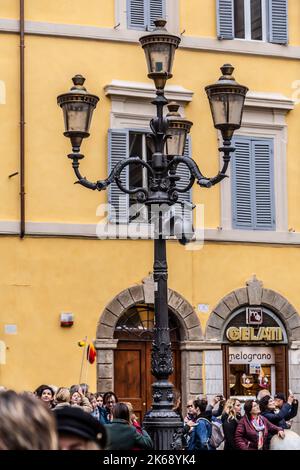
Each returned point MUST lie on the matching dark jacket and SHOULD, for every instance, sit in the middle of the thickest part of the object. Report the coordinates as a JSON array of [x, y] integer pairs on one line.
[[123, 436], [280, 418], [229, 428], [103, 415], [293, 411], [246, 436]]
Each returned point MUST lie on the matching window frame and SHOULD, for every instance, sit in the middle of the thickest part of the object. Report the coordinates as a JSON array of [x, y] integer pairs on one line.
[[247, 22], [172, 16], [132, 109], [264, 118]]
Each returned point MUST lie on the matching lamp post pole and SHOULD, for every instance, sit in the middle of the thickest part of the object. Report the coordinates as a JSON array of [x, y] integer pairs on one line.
[[166, 142]]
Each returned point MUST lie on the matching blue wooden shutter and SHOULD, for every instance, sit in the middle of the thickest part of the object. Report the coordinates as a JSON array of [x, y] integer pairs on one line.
[[264, 215], [157, 9], [184, 174], [118, 144], [253, 201], [242, 192], [225, 19], [136, 14], [278, 21]]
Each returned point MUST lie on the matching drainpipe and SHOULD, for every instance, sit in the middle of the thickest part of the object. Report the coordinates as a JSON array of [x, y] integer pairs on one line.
[[22, 120]]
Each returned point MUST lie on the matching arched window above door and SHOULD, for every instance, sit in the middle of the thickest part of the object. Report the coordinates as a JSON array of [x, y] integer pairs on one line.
[[138, 321]]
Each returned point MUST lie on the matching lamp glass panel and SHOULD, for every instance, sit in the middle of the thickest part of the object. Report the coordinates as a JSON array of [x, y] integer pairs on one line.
[[176, 142], [227, 109], [159, 57], [77, 116]]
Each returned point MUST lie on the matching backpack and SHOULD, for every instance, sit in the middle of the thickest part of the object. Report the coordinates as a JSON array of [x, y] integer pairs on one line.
[[217, 433]]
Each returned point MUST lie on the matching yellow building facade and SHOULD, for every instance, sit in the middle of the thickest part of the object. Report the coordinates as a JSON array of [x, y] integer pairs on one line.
[[61, 266]]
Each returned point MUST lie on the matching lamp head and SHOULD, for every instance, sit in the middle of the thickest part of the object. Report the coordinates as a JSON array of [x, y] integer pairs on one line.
[[78, 106], [226, 99], [178, 129], [159, 46]]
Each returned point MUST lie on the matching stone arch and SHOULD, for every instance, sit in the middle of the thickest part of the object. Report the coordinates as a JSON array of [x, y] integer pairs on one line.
[[253, 294], [144, 293], [190, 342]]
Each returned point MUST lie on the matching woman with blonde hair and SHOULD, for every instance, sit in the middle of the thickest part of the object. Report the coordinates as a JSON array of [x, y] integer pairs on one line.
[[230, 418], [62, 398]]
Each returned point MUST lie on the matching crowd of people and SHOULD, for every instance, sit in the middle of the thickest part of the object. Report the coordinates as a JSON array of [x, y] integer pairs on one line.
[[225, 424], [64, 418]]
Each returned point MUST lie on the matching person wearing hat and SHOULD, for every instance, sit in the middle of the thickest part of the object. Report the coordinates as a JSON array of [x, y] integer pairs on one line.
[[280, 402], [78, 430]]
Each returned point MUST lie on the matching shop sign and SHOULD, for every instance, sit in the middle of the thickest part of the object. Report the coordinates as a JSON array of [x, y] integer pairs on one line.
[[250, 355], [249, 333], [254, 316]]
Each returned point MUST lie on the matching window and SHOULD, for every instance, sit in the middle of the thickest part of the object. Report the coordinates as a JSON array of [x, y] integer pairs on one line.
[[249, 19], [124, 143], [253, 184], [142, 13], [256, 20], [131, 112]]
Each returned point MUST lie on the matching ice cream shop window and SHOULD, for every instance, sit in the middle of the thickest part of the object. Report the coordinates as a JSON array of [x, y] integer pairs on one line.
[[255, 353]]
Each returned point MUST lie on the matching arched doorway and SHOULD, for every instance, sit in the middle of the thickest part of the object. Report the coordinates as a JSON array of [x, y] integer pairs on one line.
[[190, 348], [255, 352], [132, 358]]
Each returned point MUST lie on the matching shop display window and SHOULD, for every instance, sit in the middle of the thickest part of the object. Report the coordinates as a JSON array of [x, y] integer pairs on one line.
[[249, 379]]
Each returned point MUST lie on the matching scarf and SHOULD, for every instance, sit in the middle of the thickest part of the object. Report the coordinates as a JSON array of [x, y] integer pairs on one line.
[[259, 427]]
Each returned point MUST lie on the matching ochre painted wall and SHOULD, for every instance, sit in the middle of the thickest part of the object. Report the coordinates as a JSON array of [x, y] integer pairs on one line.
[[45, 277], [50, 65]]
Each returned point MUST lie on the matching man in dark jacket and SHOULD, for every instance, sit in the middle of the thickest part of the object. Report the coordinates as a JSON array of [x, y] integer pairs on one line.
[[268, 410], [279, 399]]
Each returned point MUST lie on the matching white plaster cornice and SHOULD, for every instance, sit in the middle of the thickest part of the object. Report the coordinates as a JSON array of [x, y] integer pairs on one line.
[[257, 99], [96, 33], [138, 90], [237, 46], [60, 229]]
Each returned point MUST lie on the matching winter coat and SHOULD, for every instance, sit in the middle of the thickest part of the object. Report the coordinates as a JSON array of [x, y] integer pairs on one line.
[[246, 436], [123, 436]]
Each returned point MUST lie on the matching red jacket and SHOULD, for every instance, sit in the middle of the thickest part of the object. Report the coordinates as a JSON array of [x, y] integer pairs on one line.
[[246, 437]]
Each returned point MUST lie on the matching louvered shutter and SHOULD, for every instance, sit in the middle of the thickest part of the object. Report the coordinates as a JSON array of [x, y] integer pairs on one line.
[[137, 14], [264, 214], [242, 191], [157, 9], [184, 174], [225, 19], [278, 21], [118, 144]]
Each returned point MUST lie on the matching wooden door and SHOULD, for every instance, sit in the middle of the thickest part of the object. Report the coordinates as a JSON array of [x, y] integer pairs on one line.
[[281, 369], [130, 376], [133, 376]]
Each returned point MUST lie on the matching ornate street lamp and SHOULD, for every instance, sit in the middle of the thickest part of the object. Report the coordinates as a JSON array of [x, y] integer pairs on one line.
[[167, 141]]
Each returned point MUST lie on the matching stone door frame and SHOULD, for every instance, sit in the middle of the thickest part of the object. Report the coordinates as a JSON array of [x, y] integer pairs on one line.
[[191, 336], [253, 294]]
